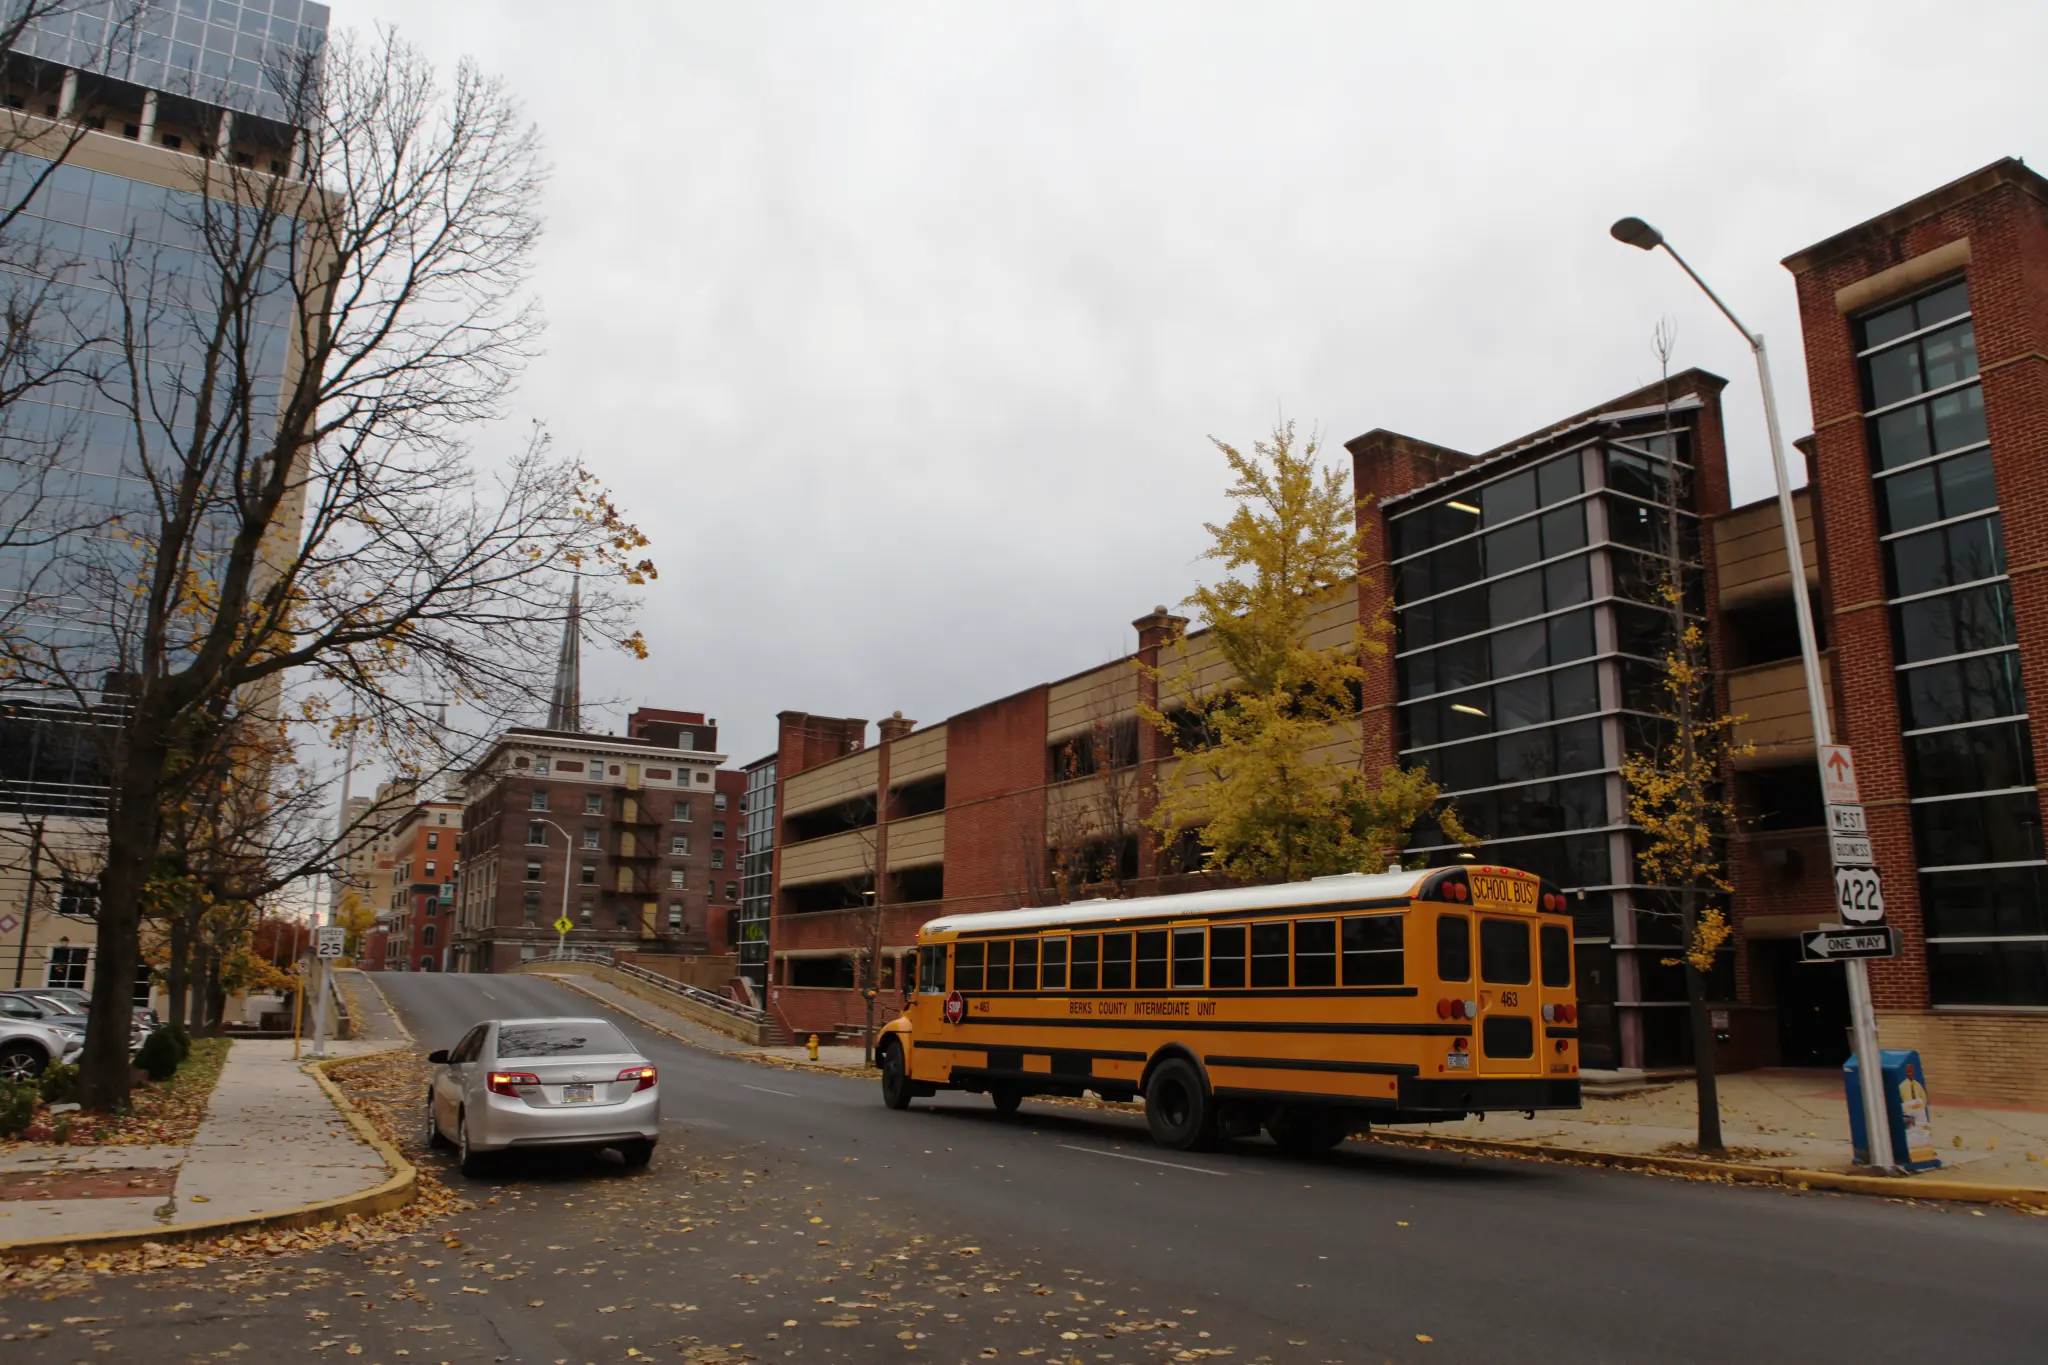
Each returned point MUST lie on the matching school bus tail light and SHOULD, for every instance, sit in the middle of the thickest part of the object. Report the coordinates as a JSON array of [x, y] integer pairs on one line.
[[1457, 1009], [1560, 1014]]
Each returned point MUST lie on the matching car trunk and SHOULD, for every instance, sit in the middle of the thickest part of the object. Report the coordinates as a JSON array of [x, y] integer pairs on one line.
[[577, 1082]]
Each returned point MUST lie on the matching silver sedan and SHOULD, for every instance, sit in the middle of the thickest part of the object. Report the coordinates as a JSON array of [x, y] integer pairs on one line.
[[543, 1083]]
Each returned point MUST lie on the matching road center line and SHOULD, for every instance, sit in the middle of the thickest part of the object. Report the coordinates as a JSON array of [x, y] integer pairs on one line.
[[1149, 1161], [787, 1094]]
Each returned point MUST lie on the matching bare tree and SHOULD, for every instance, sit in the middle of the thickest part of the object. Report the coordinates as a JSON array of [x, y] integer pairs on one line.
[[1093, 820], [303, 534]]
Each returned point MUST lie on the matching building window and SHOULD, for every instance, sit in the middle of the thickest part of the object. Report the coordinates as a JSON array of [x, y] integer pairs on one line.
[[536, 833], [427, 937], [1969, 750], [589, 877], [67, 967], [533, 869], [78, 898], [583, 912], [540, 763], [593, 803], [675, 878], [679, 845], [683, 811], [530, 908], [718, 829], [538, 800], [625, 914], [675, 917], [592, 838], [717, 798], [595, 767], [732, 891], [704, 780], [433, 839], [718, 857]]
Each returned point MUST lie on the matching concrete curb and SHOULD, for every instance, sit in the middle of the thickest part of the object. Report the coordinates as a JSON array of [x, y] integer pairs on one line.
[[1736, 1172], [394, 1193], [743, 1053]]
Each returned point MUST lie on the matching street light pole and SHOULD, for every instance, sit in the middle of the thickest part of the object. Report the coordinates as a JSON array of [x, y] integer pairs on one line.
[[1862, 1015]]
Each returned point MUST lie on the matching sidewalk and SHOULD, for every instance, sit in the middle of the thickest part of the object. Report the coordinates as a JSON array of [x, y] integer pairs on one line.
[[1791, 1119], [690, 1031], [271, 1142]]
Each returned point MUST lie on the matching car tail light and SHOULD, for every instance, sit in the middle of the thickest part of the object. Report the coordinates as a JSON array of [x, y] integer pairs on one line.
[[508, 1082], [642, 1076]]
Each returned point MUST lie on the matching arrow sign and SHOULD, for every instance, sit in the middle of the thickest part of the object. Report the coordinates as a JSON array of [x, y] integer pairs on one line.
[[1838, 775], [1835, 945]]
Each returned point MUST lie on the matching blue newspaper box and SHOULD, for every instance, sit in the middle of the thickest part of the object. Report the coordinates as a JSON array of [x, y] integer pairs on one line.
[[1905, 1109]]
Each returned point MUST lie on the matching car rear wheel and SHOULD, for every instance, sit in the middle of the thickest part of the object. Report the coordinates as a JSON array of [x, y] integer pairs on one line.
[[22, 1062], [636, 1153], [436, 1139], [1178, 1108], [472, 1162], [896, 1090]]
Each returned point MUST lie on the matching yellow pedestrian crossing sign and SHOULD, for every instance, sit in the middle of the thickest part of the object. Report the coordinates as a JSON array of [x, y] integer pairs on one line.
[[564, 925]]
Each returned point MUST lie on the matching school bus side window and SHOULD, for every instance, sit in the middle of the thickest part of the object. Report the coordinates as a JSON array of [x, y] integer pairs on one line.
[[1269, 954], [1116, 962], [1053, 968], [1087, 962], [1315, 952], [1152, 960], [1372, 950], [1226, 955], [1187, 957], [931, 969], [1557, 955], [1024, 965], [1504, 952], [999, 964], [1453, 948], [967, 966]]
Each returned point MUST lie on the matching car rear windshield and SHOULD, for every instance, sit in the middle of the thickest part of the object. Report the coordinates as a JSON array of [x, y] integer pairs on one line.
[[560, 1040]]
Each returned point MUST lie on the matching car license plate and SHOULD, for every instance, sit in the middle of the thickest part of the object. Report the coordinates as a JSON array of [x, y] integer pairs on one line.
[[576, 1094], [1458, 1061]]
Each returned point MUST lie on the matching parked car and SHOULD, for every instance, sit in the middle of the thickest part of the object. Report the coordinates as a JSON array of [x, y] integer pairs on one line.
[[521, 1083], [145, 1017], [27, 1046], [31, 1003]]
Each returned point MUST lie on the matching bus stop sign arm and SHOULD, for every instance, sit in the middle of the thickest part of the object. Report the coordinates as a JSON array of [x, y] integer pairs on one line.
[[1637, 233]]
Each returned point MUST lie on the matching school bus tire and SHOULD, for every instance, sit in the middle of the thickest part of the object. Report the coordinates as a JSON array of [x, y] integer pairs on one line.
[[1305, 1129], [1179, 1109], [1006, 1097], [897, 1087]]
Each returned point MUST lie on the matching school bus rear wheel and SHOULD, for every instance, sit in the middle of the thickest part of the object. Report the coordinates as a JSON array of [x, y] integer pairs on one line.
[[1006, 1097]]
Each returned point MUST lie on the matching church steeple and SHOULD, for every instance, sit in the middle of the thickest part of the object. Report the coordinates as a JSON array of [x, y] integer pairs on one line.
[[565, 708]]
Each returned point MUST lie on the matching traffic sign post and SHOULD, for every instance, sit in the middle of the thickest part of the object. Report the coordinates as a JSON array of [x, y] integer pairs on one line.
[[329, 941], [1838, 775], [562, 928], [1840, 943]]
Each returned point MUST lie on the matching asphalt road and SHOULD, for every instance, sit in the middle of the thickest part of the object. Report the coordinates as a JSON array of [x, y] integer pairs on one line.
[[789, 1215]]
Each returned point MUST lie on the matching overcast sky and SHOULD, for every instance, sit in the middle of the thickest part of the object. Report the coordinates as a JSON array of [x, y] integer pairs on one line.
[[901, 328]]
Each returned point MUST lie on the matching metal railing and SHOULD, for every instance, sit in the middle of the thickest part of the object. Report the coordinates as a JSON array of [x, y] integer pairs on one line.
[[696, 994]]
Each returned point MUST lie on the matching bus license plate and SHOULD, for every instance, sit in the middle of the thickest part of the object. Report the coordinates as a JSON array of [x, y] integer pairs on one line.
[[1458, 1061], [576, 1094]]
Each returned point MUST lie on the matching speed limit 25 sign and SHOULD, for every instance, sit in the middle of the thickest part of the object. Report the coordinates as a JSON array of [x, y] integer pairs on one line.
[[1859, 895]]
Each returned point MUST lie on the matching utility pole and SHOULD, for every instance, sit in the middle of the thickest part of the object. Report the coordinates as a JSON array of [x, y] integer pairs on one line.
[[28, 903], [1862, 1013]]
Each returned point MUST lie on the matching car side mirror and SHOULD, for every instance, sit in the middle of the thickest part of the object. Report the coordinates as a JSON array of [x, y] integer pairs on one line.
[[438, 1056]]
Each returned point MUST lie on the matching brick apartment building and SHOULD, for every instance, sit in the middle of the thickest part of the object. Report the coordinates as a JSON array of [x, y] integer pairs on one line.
[[418, 918], [639, 834], [1526, 664]]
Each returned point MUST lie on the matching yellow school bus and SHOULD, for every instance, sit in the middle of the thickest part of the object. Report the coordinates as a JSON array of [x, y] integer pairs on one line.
[[1309, 1009]]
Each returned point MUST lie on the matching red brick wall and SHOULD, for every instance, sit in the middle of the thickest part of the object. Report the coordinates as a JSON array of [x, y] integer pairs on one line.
[[995, 802], [2000, 212]]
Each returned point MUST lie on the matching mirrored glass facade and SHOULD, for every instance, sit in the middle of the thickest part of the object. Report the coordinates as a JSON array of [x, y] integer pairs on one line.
[[757, 872]]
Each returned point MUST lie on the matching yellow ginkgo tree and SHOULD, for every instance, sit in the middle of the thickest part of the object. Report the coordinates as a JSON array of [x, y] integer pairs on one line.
[[1257, 728]]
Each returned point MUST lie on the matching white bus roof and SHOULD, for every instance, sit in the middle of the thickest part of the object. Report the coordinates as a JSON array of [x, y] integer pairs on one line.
[[1351, 886]]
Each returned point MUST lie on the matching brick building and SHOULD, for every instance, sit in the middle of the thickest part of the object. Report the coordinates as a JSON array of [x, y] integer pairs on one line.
[[1526, 662], [418, 917], [638, 835]]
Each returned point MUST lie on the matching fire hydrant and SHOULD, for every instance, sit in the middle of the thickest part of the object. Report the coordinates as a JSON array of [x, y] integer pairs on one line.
[[814, 1047]]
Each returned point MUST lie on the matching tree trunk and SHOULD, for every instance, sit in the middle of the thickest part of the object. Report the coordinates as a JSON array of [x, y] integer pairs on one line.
[[133, 828], [177, 975], [1706, 1093], [216, 995]]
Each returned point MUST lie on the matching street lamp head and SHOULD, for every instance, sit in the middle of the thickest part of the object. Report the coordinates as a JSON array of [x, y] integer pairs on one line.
[[1636, 233]]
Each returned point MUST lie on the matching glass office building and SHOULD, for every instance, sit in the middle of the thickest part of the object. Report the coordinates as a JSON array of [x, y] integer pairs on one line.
[[119, 229], [1969, 753], [1529, 646], [757, 872]]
